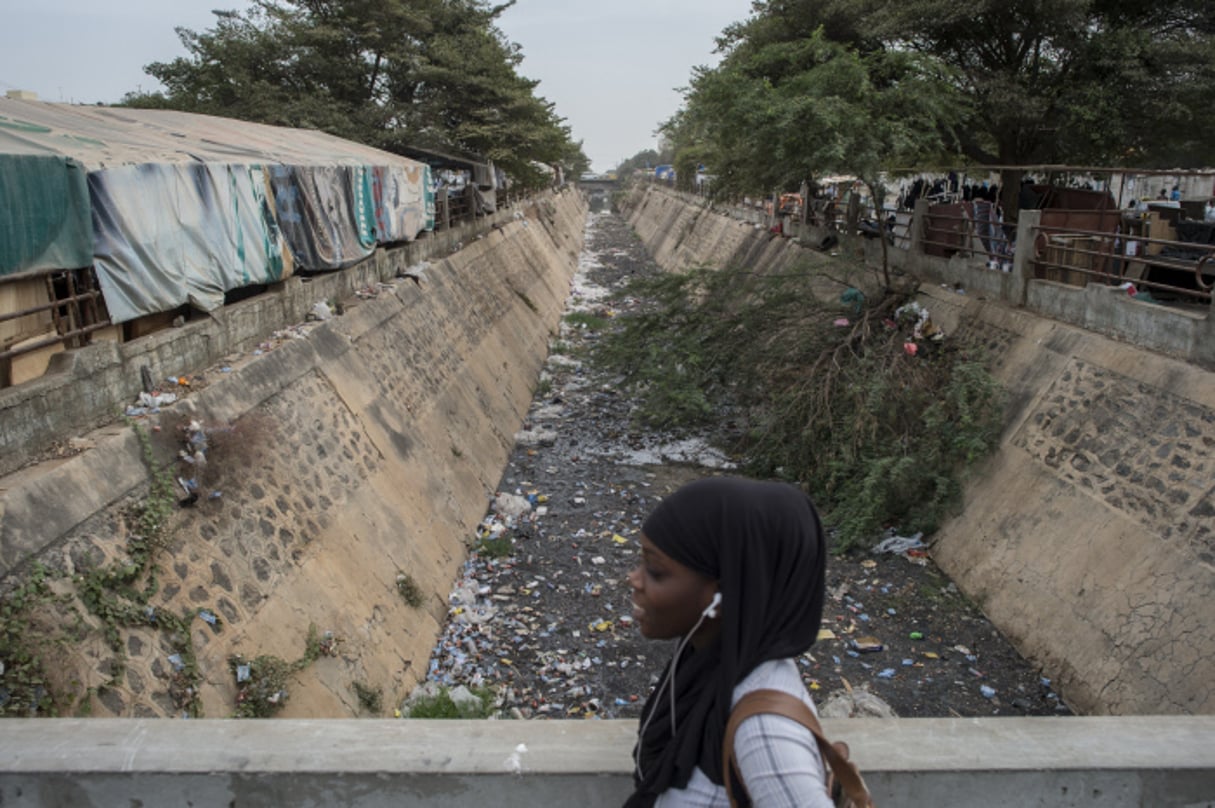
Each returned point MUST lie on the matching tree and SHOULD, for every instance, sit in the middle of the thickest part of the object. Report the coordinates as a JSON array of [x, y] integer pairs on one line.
[[433, 74], [1078, 79], [644, 159], [772, 115], [1066, 81]]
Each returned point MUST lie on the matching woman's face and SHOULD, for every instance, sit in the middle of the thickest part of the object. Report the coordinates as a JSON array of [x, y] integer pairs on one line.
[[668, 598]]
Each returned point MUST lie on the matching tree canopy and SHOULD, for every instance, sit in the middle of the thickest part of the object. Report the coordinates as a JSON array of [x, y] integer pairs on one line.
[[428, 74], [808, 87]]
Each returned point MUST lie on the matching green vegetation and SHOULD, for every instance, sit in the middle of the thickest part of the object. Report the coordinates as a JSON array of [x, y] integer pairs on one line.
[[106, 597], [827, 395], [25, 688], [318, 645], [262, 681], [409, 590], [807, 88], [118, 594], [394, 74], [441, 706], [34, 622], [501, 547], [587, 321], [371, 700], [262, 684], [646, 160]]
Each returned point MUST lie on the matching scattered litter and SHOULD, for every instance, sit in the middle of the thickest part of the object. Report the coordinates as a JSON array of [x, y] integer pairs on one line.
[[539, 614], [900, 544], [867, 645]]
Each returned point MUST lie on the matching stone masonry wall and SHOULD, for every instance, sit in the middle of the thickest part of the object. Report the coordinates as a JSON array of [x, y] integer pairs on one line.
[[365, 450]]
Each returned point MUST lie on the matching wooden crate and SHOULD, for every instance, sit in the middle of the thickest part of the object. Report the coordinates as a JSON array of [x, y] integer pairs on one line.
[[1065, 255]]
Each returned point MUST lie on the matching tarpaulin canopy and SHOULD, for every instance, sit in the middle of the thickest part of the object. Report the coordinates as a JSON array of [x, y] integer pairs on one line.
[[213, 230], [181, 208], [44, 214]]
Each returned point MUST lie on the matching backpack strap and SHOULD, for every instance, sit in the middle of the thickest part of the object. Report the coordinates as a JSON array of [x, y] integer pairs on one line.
[[781, 703]]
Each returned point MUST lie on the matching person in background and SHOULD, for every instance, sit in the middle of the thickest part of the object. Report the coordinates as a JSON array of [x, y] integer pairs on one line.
[[733, 571], [1175, 194], [1027, 197]]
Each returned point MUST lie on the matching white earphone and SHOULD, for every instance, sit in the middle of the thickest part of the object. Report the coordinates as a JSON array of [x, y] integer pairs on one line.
[[711, 609]]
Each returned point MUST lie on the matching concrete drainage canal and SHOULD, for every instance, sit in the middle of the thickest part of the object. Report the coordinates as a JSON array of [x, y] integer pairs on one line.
[[538, 622]]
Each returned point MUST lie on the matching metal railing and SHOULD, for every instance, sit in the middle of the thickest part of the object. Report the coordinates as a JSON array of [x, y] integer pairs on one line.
[[75, 305], [1078, 257], [961, 228]]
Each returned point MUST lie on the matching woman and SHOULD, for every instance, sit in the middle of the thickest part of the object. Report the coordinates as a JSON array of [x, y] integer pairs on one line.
[[733, 569]]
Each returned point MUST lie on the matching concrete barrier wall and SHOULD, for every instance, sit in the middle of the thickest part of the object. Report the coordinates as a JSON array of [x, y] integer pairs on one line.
[[1090, 538], [907, 763], [365, 451], [85, 388]]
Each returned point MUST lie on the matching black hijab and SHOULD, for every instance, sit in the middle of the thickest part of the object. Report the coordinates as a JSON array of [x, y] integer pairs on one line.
[[763, 543]]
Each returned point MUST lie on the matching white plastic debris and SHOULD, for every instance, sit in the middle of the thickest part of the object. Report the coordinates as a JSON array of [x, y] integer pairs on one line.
[[900, 544], [514, 763], [511, 506]]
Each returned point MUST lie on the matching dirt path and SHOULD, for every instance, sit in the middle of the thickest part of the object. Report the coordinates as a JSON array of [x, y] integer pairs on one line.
[[550, 619]]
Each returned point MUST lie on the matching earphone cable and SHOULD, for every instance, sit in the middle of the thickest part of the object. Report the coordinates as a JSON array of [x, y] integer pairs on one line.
[[667, 681]]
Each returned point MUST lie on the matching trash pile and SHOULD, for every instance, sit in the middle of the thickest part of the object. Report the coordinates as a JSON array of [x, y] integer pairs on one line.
[[153, 398], [500, 634]]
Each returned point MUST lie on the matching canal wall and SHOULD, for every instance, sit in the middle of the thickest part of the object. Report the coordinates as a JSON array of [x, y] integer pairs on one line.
[[344, 458], [1089, 538]]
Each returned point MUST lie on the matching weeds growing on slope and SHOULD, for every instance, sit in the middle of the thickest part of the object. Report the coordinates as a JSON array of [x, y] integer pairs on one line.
[[862, 401], [25, 687], [442, 705]]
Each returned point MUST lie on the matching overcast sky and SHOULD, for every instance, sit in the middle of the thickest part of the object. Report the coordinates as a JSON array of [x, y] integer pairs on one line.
[[612, 67]]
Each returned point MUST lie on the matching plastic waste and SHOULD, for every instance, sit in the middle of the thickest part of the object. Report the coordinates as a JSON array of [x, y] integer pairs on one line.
[[867, 645], [900, 544]]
